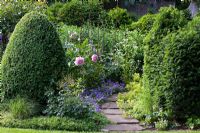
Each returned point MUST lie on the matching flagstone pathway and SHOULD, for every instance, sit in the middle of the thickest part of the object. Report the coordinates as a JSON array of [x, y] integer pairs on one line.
[[114, 114]]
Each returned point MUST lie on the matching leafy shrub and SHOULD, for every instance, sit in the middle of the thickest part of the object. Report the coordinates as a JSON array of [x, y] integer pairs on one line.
[[93, 123], [181, 66], [128, 55], [34, 59], [193, 123], [119, 16], [65, 104], [20, 108], [89, 70], [162, 124], [167, 20], [137, 102], [12, 11], [77, 12], [53, 12], [144, 24]]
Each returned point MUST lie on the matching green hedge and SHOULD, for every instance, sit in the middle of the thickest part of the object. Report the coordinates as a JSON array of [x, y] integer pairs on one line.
[[168, 20], [182, 70], [144, 24], [119, 17], [77, 12], [34, 58]]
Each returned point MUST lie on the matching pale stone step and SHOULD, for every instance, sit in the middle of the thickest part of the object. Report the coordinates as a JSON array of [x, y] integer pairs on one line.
[[109, 105], [113, 98], [123, 127], [111, 111], [118, 119]]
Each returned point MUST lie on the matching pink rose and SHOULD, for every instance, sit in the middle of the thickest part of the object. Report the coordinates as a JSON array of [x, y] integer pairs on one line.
[[94, 58], [79, 61]]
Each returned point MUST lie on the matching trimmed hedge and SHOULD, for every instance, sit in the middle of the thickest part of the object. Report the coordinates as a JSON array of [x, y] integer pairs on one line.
[[34, 59], [182, 70], [168, 20]]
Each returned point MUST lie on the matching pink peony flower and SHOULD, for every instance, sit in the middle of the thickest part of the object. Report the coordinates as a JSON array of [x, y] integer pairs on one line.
[[79, 61], [94, 58]]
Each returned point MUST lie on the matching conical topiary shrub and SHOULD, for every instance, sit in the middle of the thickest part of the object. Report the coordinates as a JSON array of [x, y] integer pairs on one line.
[[34, 58]]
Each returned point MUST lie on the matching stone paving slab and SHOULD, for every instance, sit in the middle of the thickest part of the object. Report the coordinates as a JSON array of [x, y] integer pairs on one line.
[[118, 119], [123, 127], [109, 105], [111, 111], [113, 98]]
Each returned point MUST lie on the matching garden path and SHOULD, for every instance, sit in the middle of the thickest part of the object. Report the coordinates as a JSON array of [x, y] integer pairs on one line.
[[114, 114]]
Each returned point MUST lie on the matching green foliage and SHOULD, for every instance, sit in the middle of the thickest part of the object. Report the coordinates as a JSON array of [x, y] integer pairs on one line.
[[128, 55], [119, 16], [34, 59], [77, 12], [181, 71], [53, 12], [193, 123], [97, 40], [12, 11], [167, 20], [162, 124], [93, 123], [65, 104], [144, 24], [137, 102], [1, 92], [20, 108], [90, 70]]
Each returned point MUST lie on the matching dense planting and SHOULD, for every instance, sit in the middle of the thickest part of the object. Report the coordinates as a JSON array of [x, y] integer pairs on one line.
[[58, 69], [168, 20], [144, 24], [77, 12], [181, 66], [170, 89]]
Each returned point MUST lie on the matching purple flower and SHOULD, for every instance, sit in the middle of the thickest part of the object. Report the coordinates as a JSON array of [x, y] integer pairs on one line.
[[1, 38], [99, 94]]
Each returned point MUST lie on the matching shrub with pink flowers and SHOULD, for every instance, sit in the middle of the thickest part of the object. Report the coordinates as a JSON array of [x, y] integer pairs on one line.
[[84, 63]]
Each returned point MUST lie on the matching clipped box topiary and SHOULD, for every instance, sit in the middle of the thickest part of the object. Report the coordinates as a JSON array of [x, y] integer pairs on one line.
[[34, 59]]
